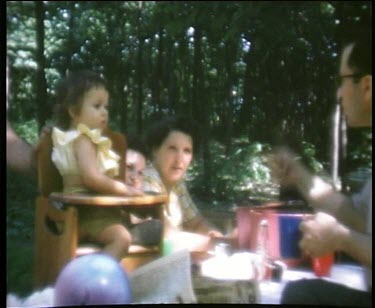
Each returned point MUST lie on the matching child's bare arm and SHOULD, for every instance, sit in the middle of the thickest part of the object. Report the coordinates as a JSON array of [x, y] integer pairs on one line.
[[85, 152]]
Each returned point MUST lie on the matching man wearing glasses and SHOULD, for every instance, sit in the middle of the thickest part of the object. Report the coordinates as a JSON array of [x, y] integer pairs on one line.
[[340, 223]]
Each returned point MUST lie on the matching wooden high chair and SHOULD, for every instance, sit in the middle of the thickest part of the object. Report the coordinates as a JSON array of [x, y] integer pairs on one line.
[[56, 220]]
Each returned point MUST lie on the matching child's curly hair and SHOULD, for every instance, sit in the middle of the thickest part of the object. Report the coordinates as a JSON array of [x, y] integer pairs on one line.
[[70, 92]]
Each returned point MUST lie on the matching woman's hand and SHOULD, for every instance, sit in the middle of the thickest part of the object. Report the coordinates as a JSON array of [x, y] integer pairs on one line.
[[215, 234]]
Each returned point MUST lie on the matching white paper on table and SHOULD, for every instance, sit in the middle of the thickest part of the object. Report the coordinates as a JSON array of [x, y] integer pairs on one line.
[[238, 266]]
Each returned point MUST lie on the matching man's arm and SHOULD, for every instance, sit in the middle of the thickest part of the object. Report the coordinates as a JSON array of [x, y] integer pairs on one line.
[[318, 193], [322, 233], [20, 154], [359, 246], [323, 197]]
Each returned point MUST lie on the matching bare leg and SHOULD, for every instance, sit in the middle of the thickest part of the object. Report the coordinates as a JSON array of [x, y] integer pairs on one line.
[[116, 240]]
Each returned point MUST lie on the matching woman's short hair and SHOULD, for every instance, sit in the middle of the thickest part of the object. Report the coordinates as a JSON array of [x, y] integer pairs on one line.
[[159, 131]]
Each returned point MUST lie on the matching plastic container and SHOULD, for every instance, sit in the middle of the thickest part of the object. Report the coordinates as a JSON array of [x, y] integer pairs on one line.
[[283, 233]]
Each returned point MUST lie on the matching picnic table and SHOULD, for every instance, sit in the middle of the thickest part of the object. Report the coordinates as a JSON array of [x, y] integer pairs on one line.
[[227, 290], [209, 290]]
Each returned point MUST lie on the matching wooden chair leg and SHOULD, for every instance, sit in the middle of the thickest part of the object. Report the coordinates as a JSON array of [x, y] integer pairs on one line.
[[55, 241]]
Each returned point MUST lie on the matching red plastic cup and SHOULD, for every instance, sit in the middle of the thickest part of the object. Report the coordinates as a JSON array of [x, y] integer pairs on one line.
[[322, 265]]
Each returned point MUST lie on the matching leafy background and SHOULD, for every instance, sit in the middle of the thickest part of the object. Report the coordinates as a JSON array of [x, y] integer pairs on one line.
[[250, 72]]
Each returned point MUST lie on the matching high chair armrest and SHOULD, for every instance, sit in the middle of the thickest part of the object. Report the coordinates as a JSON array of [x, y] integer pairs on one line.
[[106, 200]]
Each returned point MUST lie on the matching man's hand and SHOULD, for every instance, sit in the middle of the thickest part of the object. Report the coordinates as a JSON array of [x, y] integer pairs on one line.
[[322, 234], [284, 166]]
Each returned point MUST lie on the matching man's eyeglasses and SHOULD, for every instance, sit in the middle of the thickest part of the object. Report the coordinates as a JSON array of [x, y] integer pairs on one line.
[[340, 78]]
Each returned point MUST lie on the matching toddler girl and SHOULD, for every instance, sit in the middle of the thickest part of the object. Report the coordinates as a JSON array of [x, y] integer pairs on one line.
[[85, 160]]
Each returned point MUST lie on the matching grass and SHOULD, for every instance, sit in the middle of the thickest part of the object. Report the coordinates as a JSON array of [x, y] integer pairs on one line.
[[20, 205]]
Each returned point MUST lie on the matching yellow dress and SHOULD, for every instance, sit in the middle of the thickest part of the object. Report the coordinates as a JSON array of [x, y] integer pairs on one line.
[[91, 219]]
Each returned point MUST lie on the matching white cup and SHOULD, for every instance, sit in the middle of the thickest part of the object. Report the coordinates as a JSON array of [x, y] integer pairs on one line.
[[222, 249]]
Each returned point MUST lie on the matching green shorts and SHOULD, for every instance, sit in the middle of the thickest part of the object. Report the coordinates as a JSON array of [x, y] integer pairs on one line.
[[92, 220]]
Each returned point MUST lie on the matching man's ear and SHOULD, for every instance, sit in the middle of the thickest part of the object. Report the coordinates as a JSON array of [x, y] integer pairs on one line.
[[366, 84]]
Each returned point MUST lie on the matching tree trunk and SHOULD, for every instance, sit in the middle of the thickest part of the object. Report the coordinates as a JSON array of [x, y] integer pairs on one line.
[[140, 73], [200, 102], [124, 100], [170, 75], [245, 112], [43, 110], [184, 80], [230, 52], [158, 72], [70, 43]]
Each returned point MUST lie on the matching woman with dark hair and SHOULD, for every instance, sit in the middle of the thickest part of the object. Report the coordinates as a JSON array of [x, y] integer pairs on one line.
[[171, 143]]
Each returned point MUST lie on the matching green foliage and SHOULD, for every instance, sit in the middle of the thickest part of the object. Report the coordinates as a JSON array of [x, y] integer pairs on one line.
[[290, 63], [242, 173], [250, 158], [279, 59], [20, 206], [309, 155], [360, 155], [27, 130]]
